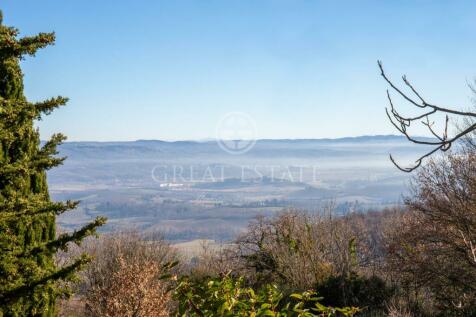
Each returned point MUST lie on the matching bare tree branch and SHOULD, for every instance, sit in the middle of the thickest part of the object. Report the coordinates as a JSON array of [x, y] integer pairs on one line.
[[401, 123]]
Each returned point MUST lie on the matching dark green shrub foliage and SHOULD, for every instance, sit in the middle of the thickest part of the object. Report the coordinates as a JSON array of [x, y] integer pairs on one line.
[[228, 296], [28, 240], [355, 290]]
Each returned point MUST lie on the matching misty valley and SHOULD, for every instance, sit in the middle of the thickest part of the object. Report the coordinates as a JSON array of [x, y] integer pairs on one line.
[[193, 190]]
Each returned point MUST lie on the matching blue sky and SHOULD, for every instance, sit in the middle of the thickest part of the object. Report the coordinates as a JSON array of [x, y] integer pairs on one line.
[[301, 69]]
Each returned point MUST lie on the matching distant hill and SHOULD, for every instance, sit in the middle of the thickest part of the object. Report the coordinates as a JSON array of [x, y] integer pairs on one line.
[[166, 149]]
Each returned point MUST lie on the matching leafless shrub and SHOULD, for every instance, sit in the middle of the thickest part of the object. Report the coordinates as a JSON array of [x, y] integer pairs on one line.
[[395, 311], [125, 278], [215, 261], [433, 246], [299, 249]]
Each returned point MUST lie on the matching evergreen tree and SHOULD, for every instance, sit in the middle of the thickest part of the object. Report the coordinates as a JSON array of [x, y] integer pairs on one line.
[[29, 278]]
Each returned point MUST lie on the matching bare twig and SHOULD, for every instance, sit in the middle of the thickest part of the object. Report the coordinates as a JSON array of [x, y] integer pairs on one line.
[[401, 123]]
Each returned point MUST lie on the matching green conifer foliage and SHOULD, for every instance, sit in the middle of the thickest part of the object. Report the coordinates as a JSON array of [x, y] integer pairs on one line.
[[28, 240]]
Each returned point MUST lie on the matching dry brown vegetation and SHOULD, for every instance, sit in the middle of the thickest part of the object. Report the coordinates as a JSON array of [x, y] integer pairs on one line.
[[298, 248], [432, 248], [126, 278]]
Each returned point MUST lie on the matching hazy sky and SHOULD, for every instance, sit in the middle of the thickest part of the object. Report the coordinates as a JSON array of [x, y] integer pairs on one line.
[[301, 69]]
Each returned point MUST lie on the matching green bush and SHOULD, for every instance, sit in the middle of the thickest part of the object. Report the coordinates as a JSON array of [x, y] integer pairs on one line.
[[229, 297], [355, 290]]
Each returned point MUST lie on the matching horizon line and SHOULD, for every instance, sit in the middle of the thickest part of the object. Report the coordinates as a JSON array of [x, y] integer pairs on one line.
[[206, 140]]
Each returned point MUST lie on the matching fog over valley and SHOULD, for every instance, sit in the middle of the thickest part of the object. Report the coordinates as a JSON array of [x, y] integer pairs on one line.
[[190, 190]]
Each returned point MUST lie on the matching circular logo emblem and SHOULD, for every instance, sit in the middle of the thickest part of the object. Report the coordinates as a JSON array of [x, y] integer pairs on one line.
[[236, 133]]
